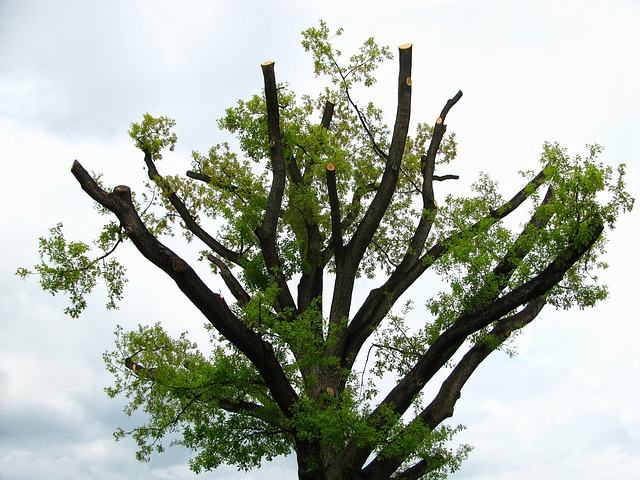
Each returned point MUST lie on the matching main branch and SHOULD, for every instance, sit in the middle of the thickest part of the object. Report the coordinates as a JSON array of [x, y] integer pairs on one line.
[[212, 305], [266, 232]]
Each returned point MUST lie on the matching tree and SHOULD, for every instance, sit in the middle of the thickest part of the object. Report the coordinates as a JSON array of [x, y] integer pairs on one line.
[[323, 194]]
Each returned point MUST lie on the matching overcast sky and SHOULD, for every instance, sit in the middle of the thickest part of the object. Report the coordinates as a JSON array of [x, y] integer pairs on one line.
[[75, 74]]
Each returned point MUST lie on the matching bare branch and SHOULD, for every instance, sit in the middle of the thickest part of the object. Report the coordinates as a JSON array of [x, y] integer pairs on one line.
[[334, 203], [440, 178], [266, 232], [274, 202], [232, 283]]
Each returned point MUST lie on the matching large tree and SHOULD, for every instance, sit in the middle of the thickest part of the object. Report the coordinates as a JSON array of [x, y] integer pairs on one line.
[[322, 194]]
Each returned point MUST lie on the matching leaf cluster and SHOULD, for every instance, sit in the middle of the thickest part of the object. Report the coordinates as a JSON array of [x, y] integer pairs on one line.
[[67, 268], [211, 402]]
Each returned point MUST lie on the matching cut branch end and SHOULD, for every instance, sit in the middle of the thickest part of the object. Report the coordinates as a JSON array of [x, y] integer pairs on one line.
[[178, 265], [123, 191]]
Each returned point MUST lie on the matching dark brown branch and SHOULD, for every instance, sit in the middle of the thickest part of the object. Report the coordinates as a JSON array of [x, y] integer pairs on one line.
[[311, 282], [443, 404], [380, 300], [212, 305], [518, 251], [232, 283], [440, 178], [365, 124], [429, 205], [445, 346], [199, 176], [439, 129], [449, 341], [186, 216], [418, 470], [294, 170], [139, 369], [384, 194], [203, 177], [266, 232], [498, 279], [327, 114], [233, 406], [276, 152], [354, 105], [334, 203], [354, 251], [241, 406], [168, 423], [449, 105]]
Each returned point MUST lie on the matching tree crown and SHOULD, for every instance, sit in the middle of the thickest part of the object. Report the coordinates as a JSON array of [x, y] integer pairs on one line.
[[321, 193]]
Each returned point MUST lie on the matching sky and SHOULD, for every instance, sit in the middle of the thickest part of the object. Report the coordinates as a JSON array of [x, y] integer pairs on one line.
[[74, 75]]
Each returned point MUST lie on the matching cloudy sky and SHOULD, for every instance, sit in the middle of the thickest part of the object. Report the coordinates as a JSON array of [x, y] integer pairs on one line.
[[75, 74]]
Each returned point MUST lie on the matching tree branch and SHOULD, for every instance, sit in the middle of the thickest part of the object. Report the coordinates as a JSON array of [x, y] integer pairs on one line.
[[384, 194], [276, 152], [199, 176], [380, 300], [232, 283], [233, 406], [444, 402], [334, 204], [450, 340], [311, 281], [418, 470], [266, 232], [186, 216], [400, 398], [439, 129], [212, 306], [361, 116], [441, 178], [347, 269]]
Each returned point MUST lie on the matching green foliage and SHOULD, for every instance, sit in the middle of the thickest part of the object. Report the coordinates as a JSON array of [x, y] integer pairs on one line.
[[67, 268], [153, 135], [585, 192], [180, 390], [361, 66]]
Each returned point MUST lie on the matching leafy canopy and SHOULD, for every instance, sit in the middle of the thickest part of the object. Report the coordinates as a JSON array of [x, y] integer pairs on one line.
[[322, 188]]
